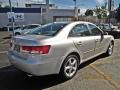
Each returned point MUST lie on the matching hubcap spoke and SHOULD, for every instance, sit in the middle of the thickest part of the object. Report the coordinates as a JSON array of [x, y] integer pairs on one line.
[[67, 68], [73, 63], [71, 67], [70, 71], [74, 68]]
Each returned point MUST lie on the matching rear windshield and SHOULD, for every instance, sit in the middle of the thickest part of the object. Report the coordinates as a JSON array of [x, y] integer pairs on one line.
[[48, 29]]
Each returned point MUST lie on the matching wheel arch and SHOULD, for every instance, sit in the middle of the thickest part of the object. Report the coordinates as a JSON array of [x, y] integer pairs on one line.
[[17, 33], [71, 53], [112, 41]]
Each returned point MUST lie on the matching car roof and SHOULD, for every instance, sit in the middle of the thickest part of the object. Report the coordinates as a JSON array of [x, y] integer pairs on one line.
[[75, 22], [32, 24]]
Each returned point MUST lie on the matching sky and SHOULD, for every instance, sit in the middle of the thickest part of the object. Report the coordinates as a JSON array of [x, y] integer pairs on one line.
[[82, 4], [85, 4]]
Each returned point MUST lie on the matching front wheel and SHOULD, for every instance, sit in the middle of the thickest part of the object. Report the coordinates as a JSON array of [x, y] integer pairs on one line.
[[17, 34], [69, 67], [110, 49]]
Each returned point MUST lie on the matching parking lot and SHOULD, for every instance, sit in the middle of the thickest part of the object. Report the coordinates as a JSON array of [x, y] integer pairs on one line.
[[101, 73]]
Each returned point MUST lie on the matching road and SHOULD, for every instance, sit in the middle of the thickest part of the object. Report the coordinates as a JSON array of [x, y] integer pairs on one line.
[[101, 73]]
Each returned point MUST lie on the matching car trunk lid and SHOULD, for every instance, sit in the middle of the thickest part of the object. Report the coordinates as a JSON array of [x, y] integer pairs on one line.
[[29, 40]]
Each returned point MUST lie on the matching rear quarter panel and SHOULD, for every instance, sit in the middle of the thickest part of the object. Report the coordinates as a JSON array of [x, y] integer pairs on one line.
[[60, 49]]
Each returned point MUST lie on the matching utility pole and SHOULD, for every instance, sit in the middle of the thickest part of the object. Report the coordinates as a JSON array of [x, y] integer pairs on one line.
[[10, 5], [17, 4], [110, 8], [75, 10], [41, 15], [12, 19], [47, 11]]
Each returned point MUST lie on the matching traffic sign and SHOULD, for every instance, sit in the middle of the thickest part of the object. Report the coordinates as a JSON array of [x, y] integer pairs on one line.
[[19, 17], [11, 16], [15, 17]]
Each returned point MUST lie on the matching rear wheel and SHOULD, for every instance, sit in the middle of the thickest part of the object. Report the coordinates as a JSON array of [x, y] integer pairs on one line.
[[110, 49], [69, 67]]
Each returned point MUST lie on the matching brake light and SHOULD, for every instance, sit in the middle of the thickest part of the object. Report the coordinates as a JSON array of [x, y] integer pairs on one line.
[[36, 49]]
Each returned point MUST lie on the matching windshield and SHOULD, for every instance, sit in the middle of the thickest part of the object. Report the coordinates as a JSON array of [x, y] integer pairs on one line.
[[48, 29]]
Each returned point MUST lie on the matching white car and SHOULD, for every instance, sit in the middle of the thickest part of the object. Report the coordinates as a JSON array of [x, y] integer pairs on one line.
[[26, 29], [59, 48]]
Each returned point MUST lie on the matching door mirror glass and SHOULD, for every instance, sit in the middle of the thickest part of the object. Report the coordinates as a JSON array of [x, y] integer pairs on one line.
[[105, 33]]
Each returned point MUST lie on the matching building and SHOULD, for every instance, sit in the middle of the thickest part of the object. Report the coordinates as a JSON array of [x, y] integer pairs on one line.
[[37, 14], [34, 16], [51, 6]]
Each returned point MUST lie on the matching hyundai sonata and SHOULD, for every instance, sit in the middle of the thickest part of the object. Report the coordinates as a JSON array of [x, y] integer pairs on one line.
[[59, 48]]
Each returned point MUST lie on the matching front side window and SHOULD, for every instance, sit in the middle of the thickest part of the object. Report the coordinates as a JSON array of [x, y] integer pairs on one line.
[[94, 30], [79, 30]]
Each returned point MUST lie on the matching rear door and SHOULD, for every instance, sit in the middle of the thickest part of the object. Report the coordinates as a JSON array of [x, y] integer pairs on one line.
[[83, 41]]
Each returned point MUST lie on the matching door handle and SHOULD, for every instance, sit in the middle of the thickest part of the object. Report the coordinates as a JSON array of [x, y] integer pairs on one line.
[[97, 40], [79, 43]]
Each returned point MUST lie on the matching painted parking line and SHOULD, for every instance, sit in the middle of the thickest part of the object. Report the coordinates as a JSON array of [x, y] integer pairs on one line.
[[2, 42], [106, 77], [4, 66], [105, 62], [3, 52]]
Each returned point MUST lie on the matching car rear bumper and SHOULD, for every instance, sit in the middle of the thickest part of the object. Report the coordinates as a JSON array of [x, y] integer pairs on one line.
[[36, 67]]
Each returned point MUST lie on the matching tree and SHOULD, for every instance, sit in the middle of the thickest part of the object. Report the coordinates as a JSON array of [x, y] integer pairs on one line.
[[117, 14], [6, 6], [101, 12], [89, 12]]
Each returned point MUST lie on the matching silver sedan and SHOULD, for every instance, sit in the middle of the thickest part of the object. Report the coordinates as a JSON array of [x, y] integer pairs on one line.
[[59, 48]]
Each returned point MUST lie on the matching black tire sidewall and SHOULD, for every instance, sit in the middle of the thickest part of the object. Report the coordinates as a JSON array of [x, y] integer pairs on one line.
[[108, 54], [63, 67]]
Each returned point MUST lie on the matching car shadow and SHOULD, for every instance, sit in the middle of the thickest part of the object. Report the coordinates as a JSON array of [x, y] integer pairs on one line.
[[84, 64], [13, 79], [9, 37]]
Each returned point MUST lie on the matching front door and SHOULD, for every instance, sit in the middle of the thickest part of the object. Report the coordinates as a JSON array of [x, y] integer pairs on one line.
[[83, 41]]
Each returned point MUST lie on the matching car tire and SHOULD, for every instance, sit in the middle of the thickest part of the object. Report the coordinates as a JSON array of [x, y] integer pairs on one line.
[[17, 34], [69, 67], [110, 49]]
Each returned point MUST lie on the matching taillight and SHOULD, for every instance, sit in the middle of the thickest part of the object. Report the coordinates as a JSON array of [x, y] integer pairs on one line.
[[36, 49]]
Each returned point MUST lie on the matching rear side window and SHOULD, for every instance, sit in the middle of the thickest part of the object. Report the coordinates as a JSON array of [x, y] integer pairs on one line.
[[94, 30], [79, 30], [49, 29]]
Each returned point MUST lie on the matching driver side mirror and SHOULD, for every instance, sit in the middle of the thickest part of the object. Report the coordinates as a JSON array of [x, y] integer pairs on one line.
[[102, 35], [113, 28], [105, 33]]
